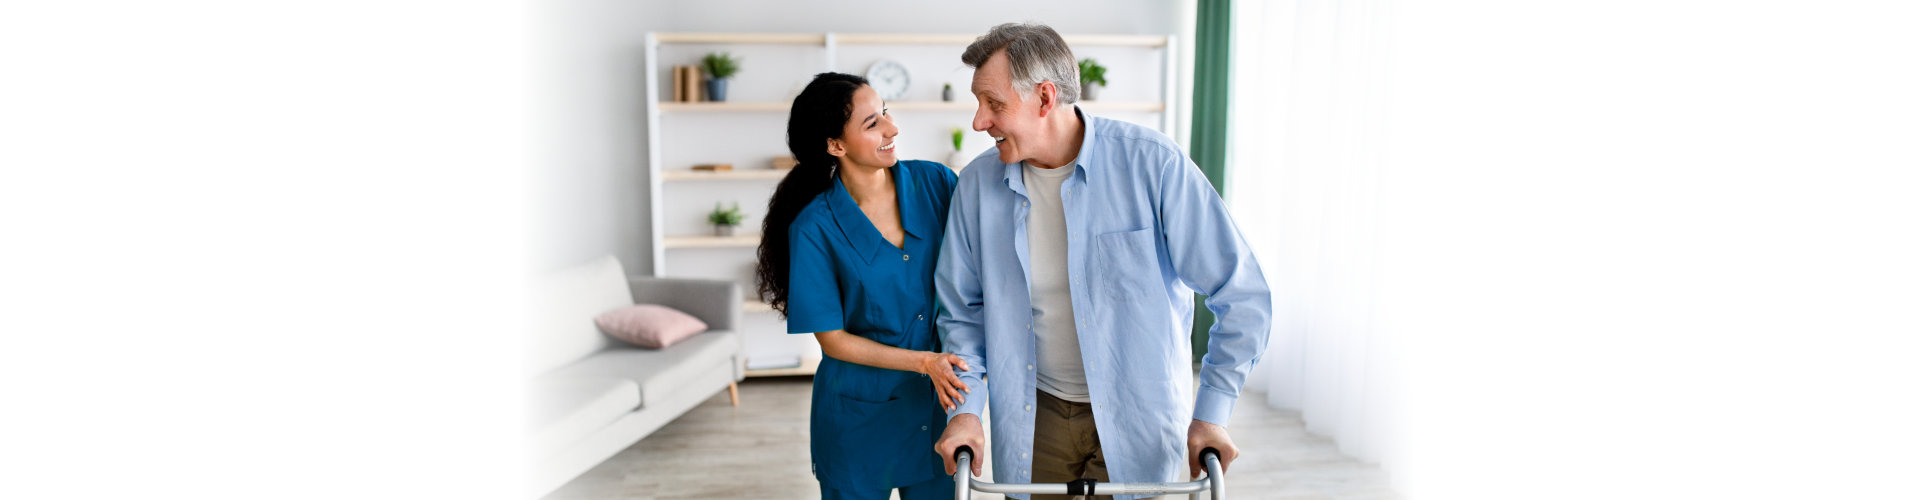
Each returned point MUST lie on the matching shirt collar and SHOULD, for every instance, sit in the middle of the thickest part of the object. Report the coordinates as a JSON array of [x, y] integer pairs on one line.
[[1086, 156], [908, 193], [1085, 160], [861, 234]]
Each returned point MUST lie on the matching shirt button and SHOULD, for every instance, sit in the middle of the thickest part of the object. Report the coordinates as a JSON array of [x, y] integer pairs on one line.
[[1023, 203], [923, 427], [904, 257], [919, 316], [1023, 473], [1029, 407], [1029, 367], [1023, 455]]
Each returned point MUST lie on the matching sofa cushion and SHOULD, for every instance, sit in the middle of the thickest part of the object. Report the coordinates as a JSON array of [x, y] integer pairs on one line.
[[651, 326], [566, 409], [560, 326], [658, 371]]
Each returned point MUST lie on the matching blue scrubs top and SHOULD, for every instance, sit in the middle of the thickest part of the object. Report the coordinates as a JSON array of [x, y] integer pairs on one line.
[[872, 427]]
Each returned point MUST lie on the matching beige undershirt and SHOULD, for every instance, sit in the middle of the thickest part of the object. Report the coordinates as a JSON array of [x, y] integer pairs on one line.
[[1060, 371]]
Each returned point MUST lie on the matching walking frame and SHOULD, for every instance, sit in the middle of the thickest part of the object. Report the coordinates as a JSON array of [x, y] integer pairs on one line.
[[964, 485]]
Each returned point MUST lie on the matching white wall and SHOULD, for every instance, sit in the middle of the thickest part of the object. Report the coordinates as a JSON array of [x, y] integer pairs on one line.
[[588, 187]]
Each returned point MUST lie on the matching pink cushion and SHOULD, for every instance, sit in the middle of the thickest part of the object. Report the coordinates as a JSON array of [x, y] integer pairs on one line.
[[650, 326]]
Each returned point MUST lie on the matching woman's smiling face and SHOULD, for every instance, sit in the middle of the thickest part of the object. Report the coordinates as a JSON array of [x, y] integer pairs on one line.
[[868, 137]]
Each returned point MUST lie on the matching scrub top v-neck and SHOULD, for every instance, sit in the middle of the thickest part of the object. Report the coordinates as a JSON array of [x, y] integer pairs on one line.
[[872, 426]]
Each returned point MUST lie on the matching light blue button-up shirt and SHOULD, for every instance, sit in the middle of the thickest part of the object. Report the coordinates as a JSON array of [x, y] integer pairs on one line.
[[1144, 231]]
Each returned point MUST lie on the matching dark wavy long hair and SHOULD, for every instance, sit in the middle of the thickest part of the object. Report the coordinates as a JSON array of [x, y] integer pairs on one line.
[[819, 113]]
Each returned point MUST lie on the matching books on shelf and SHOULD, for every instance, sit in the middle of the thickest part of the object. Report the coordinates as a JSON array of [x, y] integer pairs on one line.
[[680, 84], [785, 162], [686, 84]]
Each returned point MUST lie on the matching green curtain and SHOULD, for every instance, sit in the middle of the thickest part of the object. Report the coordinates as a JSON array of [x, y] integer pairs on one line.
[[1212, 52]]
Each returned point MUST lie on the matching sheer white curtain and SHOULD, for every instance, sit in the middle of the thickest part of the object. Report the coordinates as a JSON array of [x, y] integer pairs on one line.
[[1304, 171], [1641, 249]]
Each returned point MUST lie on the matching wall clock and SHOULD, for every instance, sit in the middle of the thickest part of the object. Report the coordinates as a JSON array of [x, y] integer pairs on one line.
[[889, 78]]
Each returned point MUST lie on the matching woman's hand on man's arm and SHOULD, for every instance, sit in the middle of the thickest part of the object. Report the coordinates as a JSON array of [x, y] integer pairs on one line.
[[937, 366], [946, 384]]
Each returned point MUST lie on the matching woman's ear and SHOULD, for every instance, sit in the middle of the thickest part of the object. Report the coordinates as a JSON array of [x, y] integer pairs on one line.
[[835, 148]]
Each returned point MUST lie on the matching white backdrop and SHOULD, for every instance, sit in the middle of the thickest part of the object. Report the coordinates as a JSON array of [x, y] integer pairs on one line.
[[1608, 250], [1306, 154]]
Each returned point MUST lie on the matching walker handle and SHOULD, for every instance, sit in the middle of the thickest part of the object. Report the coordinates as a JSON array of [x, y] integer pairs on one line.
[[1216, 474], [963, 473]]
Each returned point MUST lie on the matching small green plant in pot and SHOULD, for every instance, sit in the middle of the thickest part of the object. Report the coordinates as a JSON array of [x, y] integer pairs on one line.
[[725, 219], [958, 160], [1092, 75], [719, 66]]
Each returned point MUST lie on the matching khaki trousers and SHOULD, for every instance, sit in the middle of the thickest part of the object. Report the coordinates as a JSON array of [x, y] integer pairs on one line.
[[1066, 446]]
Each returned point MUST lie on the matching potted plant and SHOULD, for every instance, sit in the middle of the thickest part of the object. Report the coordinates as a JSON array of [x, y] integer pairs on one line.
[[1091, 74], [725, 220], [719, 66], [946, 93], [958, 160]]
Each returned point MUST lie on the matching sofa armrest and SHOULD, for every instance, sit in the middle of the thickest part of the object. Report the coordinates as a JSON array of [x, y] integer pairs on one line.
[[716, 302]]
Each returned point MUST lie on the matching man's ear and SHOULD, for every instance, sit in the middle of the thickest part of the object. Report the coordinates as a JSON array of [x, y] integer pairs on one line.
[[1048, 94], [836, 148]]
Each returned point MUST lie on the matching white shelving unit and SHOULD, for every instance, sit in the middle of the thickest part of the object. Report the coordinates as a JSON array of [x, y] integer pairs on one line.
[[748, 131], [957, 105]]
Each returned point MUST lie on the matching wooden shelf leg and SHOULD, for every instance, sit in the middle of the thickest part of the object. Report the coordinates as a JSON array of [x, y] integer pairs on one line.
[[733, 392]]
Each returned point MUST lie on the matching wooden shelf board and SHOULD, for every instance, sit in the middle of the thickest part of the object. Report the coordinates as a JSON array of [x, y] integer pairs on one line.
[[728, 175], [895, 39], [751, 305], [725, 106], [750, 240], [961, 105], [766, 38], [1115, 40], [1153, 106], [902, 39]]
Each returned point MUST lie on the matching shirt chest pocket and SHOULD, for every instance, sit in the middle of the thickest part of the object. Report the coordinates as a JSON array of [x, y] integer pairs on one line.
[[1125, 269]]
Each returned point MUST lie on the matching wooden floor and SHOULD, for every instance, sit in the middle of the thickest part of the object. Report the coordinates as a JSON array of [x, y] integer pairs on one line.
[[759, 450]]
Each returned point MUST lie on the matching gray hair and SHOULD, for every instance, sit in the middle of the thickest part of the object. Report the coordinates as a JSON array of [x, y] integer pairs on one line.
[[1035, 53]]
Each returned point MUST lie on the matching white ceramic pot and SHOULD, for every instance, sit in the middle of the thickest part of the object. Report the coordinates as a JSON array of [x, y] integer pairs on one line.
[[958, 160]]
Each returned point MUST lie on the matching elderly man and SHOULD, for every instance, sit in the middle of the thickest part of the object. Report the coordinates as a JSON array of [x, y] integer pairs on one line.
[[1067, 278]]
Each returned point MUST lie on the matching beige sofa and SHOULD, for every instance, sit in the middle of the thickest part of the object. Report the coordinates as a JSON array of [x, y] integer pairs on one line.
[[590, 395]]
